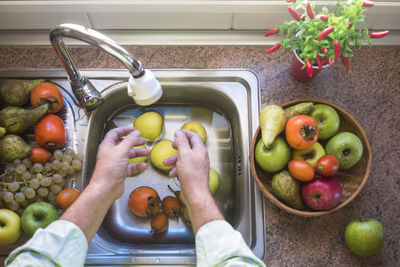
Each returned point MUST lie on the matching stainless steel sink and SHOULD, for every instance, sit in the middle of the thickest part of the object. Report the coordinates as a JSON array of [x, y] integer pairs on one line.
[[226, 102]]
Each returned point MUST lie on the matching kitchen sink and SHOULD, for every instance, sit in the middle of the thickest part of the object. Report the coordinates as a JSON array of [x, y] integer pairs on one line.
[[226, 102]]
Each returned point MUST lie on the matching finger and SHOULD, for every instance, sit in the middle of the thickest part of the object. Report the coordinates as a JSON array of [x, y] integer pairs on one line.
[[139, 152], [130, 141], [136, 168], [181, 142], [170, 161], [173, 172], [194, 139], [174, 146], [115, 134]]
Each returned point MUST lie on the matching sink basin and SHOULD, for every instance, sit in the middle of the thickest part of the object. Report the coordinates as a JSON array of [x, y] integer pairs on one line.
[[226, 102]]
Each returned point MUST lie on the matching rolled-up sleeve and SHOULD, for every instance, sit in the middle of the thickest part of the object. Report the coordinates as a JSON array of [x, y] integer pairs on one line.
[[218, 244], [61, 243]]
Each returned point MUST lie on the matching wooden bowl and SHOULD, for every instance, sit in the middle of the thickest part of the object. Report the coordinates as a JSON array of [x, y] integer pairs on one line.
[[353, 179]]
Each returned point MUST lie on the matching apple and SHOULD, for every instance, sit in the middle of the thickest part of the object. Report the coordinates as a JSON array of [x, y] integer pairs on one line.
[[196, 127], [364, 237], [346, 147], [327, 119], [322, 193], [275, 158], [214, 181], [38, 215], [311, 155], [10, 226]]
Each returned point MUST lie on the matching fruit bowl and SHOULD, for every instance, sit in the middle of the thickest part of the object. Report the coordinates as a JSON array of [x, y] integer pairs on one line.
[[353, 179]]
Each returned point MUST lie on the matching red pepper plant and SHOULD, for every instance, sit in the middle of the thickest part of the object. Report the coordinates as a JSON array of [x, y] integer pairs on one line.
[[325, 36]]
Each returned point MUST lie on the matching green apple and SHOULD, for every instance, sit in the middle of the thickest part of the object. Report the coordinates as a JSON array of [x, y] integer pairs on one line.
[[38, 215], [275, 158], [364, 236], [311, 154], [196, 127], [138, 159], [327, 119], [161, 151], [347, 147], [10, 227], [214, 181]]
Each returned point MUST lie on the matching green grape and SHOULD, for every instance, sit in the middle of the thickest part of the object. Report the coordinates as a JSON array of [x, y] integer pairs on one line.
[[76, 164], [37, 167], [67, 158], [58, 154], [70, 152], [10, 169], [8, 196], [8, 178], [55, 188], [62, 173], [47, 166], [26, 176], [38, 198], [39, 176], [51, 197], [34, 184], [17, 161], [42, 191], [64, 166], [12, 187], [20, 169], [13, 205], [20, 197], [30, 193], [57, 178], [27, 162], [79, 156], [56, 164], [46, 181], [23, 189]]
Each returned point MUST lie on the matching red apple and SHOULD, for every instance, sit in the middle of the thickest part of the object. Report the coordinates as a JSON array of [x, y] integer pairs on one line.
[[322, 193]]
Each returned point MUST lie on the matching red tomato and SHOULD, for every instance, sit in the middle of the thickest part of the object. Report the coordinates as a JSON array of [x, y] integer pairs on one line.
[[40, 155], [47, 93], [50, 132], [301, 170], [144, 201], [301, 132], [327, 165]]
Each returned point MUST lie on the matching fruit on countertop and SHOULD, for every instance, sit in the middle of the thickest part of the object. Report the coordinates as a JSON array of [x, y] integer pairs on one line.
[[16, 92], [213, 181], [322, 193], [301, 132], [287, 189], [196, 127], [298, 109], [311, 154], [38, 215], [16, 120], [66, 197], [346, 147], [138, 159], [301, 170], [10, 226], [159, 223], [171, 206], [272, 122], [161, 151], [327, 119], [39, 155], [150, 124], [328, 165], [144, 201], [274, 158], [47, 93], [13, 147], [50, 132], [364, 237]]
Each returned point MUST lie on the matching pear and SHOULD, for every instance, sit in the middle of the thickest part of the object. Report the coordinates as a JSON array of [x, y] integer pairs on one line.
[[272, 122], [16, 92], [150, 124], [13, 147], [2, 131], [299, 109], [16, 120], [287, 189], [161, 151], [196, 127]]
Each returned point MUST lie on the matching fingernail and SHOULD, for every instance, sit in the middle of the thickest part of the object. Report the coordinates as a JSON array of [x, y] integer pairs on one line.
[[135, 132], [179, 133]]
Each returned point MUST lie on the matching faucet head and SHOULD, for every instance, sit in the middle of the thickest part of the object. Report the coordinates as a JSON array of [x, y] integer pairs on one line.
[[145, 90]]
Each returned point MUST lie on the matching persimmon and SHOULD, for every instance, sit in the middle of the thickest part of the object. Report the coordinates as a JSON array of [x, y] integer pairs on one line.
[[47, 93], [39, 155], [301, 132], [171, 206], [66, 197], [301, 170], [50, 132], [159, 223], [144, 201]]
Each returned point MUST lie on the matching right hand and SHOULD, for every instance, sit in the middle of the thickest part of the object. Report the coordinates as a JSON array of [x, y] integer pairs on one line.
[[192, 166]]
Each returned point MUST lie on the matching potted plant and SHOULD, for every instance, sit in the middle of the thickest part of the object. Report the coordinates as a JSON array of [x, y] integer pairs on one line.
[[320, 39]]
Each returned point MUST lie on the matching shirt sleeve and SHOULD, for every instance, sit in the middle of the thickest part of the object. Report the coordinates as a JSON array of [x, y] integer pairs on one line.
[[218, 244], [61, 243]]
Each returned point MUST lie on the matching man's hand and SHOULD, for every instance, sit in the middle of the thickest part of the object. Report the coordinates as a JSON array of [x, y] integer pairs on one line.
[[114, 153]]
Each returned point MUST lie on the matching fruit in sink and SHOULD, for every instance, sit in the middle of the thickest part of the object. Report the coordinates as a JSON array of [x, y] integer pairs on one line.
[[301, 132], [171, 206], [327, 119], [47, 93], [161, 151], [364, 237], [311, 154], [287, 189], [150, 124], [16, 92], [38, 215], [159, 223], [272, 122], [346, 147], [144, 201], [50, 132], [138, 159], [214, 181], [327, 165], [196, 127], [274, 158], [39, 155], [66, 197], [16, 120], [183, 212], [3, 131], [299, 109], [10, 227], [13, 147], [322, 193], [301, 170]]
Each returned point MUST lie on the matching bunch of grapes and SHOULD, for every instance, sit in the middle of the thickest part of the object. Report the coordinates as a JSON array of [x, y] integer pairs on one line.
[[25, 182]]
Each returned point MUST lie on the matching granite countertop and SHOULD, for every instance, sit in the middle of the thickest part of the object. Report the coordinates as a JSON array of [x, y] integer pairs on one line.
[[370, 91]]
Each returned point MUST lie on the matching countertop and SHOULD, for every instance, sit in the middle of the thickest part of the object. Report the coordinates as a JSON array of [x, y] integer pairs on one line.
[[370, 91]]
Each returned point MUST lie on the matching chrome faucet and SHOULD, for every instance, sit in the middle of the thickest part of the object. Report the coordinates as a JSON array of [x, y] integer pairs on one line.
[[142, 85]]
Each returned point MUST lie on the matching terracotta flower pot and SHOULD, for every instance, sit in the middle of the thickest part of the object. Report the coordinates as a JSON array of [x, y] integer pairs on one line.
[[299, 74]]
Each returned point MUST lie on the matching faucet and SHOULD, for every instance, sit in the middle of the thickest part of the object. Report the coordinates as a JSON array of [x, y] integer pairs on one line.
[[143, 87]]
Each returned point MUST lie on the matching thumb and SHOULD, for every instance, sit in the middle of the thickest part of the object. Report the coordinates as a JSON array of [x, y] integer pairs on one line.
[[130, 141]]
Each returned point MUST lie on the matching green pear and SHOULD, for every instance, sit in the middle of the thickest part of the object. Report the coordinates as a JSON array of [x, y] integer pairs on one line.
[[13, 147], [2, 131], [16, 92], [150, 124], [287, 189], [299, 109], [16, 120]]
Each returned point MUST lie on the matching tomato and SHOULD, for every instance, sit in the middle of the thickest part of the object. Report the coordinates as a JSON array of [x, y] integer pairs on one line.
[[47, 93], [301, 170], [301, 132], [66, 197], [159, 223], [39, 155], [327, 165], [171, 206], [144, 201], [50, 132]]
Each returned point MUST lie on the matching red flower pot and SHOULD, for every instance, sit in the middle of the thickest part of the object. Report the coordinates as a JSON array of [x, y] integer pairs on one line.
[[299, 74]]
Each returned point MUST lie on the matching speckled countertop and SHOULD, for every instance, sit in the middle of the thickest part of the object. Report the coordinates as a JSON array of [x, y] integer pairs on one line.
[[370, 91]]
